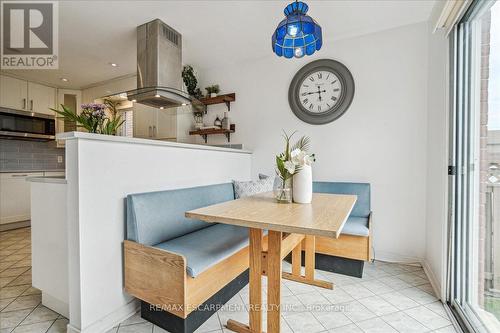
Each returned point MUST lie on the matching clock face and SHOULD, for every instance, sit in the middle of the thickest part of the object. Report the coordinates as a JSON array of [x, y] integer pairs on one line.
[[321, 91]]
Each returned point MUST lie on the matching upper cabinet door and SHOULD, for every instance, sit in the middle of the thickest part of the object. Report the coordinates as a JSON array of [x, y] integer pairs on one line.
[[41, 98], [13, 93]]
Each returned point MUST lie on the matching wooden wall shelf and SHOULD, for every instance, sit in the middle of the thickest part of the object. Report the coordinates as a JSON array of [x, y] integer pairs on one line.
[[211, 131], [226, 99]]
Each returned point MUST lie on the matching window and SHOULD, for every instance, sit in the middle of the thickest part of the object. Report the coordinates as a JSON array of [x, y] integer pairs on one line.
[[474, 280]]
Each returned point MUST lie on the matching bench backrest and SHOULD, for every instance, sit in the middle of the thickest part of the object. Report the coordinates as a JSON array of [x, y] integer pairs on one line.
[[156, 217], [362, 207]]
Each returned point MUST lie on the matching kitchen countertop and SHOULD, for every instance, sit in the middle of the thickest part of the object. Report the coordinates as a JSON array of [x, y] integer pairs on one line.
[[124, 139], [48, 179]]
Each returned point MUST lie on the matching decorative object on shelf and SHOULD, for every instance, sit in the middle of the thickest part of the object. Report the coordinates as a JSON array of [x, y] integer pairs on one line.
[[191, 82], [226, 122], [92, 118], [218, 122], [298, 34], [321, 91], [226, 99], [198, 120], [212, 91], [302, 179], [210, 130]]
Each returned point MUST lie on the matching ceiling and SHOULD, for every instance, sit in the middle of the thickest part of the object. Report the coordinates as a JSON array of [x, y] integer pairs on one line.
[[93, 34]]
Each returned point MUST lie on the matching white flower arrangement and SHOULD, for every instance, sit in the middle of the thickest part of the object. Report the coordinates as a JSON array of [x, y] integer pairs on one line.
[[293, 158]]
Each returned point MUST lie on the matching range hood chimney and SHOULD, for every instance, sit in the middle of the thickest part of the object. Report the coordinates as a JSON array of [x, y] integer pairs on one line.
[[159, 67]]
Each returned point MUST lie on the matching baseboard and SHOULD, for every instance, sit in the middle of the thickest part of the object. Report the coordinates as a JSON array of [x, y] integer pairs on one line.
[[72, 329], [15, 225], [111, 320], [435, 283], [55, 304], [396, 258]]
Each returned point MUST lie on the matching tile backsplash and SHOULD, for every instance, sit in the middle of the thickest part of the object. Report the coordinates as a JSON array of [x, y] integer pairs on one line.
[[19, 155]]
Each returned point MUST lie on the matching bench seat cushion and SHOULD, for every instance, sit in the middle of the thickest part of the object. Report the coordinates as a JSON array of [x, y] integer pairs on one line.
[[356, 226], [206, 247]]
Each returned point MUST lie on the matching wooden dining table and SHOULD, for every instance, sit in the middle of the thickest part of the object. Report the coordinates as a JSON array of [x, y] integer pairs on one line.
[[289, 226]]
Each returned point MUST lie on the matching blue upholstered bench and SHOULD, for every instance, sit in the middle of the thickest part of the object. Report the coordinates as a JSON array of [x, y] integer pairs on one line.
[[174, 264], [347, 254], [157, 219]]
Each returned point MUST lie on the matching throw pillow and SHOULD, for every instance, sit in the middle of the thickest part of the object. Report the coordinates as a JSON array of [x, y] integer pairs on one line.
[[245, 189]]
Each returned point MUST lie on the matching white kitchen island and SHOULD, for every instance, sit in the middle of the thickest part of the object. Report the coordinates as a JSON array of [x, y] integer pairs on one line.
[[49, 241], [101, 171]]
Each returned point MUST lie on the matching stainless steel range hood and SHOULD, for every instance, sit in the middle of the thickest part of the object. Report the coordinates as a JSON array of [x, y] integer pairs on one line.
[[159, 67]]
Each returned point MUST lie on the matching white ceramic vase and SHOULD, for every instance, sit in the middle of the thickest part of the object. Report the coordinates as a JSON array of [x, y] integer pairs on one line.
[[302, 185]]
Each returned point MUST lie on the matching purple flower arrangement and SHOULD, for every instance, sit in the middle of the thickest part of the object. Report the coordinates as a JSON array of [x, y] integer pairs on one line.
[[94, 110], [93, 118]]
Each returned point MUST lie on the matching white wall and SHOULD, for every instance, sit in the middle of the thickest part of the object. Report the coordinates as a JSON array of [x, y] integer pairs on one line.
[[101, 171], [437, 159], [381, 139]]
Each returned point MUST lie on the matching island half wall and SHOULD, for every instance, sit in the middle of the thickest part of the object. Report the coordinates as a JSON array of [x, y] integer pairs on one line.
[[101, 171]]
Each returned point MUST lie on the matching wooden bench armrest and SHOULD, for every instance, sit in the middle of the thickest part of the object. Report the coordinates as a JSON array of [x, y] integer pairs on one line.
[[155, 276]]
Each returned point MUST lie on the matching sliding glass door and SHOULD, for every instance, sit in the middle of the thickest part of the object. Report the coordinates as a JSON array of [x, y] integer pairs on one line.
[[474, 230]]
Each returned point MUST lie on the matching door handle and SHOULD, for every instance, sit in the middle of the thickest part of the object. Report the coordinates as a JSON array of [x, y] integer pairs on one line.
[[154, 131], [31, 105], [24, 103], [17, 175], [149, 133]]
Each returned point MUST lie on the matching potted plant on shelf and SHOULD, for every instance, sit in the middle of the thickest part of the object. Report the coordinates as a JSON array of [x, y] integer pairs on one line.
[[93, 118], [191, 82], [212, 91]]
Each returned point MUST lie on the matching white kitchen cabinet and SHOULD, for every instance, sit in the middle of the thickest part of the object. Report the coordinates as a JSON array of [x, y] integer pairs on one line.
[[15, 196], [28, 96], [41, 98], [166, 124], [152, 123], [144, 121], [13, 93]]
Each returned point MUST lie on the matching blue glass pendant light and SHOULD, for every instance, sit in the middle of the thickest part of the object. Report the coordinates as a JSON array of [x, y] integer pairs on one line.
[[298, 34]]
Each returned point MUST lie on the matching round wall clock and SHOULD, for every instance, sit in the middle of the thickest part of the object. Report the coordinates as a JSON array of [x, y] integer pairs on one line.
[[321, 91]]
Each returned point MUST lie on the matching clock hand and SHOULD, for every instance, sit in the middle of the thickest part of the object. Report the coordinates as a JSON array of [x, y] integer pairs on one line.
[[315, 92]]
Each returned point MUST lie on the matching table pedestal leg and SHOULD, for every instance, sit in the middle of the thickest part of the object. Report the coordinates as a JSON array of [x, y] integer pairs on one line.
[[310, 250], [255, 286], [274, 282]]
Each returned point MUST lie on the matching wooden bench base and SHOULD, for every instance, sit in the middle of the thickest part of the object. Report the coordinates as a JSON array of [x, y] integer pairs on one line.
[[334, 264], [195, 319]]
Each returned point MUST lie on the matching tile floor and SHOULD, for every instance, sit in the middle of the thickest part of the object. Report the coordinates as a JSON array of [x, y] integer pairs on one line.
[[389, 298], [20, 304]]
